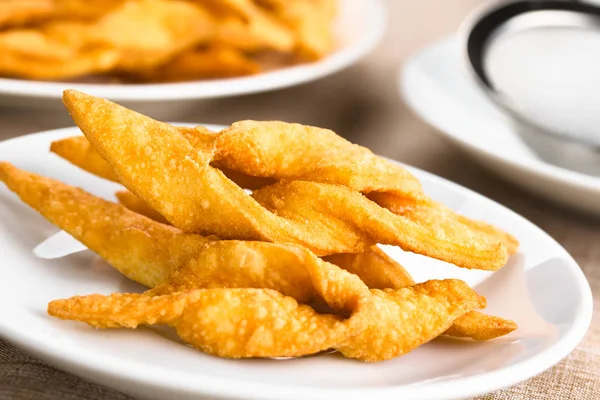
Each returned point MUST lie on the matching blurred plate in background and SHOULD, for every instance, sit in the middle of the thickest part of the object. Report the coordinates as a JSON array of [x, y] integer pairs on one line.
[[358, 28], [434, 83]]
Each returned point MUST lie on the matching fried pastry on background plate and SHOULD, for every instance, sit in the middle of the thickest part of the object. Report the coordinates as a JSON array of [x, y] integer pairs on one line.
[[158, 40], [201, 63]]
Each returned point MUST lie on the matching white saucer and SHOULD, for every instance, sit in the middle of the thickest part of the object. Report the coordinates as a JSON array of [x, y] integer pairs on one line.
[[358, 28], [436, 86], [541, 288]]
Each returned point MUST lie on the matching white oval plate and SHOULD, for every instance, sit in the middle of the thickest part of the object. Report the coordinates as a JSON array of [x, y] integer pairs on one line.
[[358, 28], [541, 288], [435, 85]]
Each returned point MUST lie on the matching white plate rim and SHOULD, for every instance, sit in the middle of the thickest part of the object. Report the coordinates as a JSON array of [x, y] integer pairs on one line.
[[375, 18], [97, 364], [529, 164]]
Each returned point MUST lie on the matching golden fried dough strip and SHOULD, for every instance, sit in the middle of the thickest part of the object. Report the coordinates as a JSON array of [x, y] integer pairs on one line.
[[201, 63], [27, 12], [92, 62], [374, 267], [84, 9], [79, 152], [281, 150], [440, 217], [478, 326], [141, 249], [148, 33], [134, 203], [49, 54], [413, 315], [234, 323], [264, 265], [310, 21], [20, 12], [291, 151], [159, 165], [247, 27]]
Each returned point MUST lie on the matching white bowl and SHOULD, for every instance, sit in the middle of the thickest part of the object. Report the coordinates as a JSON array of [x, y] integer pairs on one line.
[[436, 86]]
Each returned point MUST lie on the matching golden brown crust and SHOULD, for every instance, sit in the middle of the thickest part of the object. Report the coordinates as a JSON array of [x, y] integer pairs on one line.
[[285, 151], [80, 152], [134, 203], [233, 323]]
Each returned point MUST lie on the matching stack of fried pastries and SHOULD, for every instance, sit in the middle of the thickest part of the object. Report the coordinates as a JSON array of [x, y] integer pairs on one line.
[[261, 240], [160, 40]]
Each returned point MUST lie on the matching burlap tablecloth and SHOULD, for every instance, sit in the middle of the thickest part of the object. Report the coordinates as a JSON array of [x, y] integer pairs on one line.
[[362, 104]]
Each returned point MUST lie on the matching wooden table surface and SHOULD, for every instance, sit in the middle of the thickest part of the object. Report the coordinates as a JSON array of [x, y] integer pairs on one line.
[[362, 104]]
